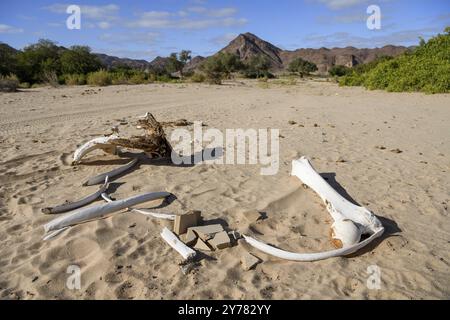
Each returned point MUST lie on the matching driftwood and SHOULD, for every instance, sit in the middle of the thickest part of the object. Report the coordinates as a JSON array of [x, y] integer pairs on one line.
[[153, 142], [350, 220], [111, 174], [78, 204]]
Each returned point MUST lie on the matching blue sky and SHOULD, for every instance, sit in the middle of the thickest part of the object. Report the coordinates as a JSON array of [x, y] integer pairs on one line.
[[145, 29]]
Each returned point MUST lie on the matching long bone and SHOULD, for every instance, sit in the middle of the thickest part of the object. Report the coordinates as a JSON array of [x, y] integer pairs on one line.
[[100, 211], [165, 216], [80, 203], [111, 174], [350, 221]]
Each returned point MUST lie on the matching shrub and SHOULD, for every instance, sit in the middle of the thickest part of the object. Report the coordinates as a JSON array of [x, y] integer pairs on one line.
[[258, 67], [119, 78], [426, 69], [198, 77], [99, 78], [9, 83], [138, 78], [302, 67], [339, 71], [75, 79]]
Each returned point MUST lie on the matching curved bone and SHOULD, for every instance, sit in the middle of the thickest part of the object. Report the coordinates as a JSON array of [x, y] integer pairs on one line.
[[145, 212], [111, 174], [186, 252], [80, 203], [350, 220], [282, 254], [97, 143], [100, 211]]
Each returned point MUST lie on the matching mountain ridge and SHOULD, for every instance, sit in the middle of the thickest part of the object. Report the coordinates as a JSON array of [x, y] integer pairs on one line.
[[247, 45]]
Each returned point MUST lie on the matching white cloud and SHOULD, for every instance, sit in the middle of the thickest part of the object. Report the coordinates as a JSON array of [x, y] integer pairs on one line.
[[147, 38], [204, 18], [343, 39], [4, 28], [104, 25], [339, 4], [102, 17]]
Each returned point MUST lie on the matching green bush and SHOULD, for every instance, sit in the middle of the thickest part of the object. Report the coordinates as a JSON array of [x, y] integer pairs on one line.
[[339, 71], [9, 83], [426, 69], [198, 77], [119, 78], [258, 67], [75, 79], [138, 78], [302, 67], [99, 78]]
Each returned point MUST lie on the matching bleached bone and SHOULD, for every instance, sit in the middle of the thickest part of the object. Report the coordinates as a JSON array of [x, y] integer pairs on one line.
[[111, 174], [145, 212], [350, 220], [186, 252], [80, 203], [94, 144], [100, 211]]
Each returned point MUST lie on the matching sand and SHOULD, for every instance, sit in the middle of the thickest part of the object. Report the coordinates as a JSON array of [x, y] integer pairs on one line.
[[348, 133]]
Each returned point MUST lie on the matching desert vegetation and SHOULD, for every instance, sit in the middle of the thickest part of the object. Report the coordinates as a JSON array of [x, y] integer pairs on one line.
[[426, 69]]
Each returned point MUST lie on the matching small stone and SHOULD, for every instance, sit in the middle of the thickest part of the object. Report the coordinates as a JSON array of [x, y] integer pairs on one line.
[[221, 240], [201, 245], [396, 150], [207, 232], [252, 215], [249, 261], [183, 222], [190, 237], [292, 122]]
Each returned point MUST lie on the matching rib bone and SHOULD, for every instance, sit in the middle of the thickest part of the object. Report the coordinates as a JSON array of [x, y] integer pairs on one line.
[[111, 174], [350, 220], [145, 212], [77, 204], [100, 211]]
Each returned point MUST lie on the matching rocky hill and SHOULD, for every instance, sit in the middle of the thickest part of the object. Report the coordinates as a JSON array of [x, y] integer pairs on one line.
[[248, 45]]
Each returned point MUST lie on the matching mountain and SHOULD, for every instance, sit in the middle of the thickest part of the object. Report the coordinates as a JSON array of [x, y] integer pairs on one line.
[[111, 61], [248, 45]]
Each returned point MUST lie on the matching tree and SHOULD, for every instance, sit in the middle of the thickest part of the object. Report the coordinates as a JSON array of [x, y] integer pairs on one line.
[[221, 66], [177, 61], [8, 60], [79, 60], [213, 69], [339, 71], [38, 60], [258, 66], [302, 67]]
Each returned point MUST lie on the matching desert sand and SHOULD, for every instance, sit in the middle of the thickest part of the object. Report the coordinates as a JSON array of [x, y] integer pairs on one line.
[[389, 151]]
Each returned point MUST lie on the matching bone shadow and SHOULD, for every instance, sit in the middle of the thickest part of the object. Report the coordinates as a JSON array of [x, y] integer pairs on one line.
[[208, 154], [330, 177]]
